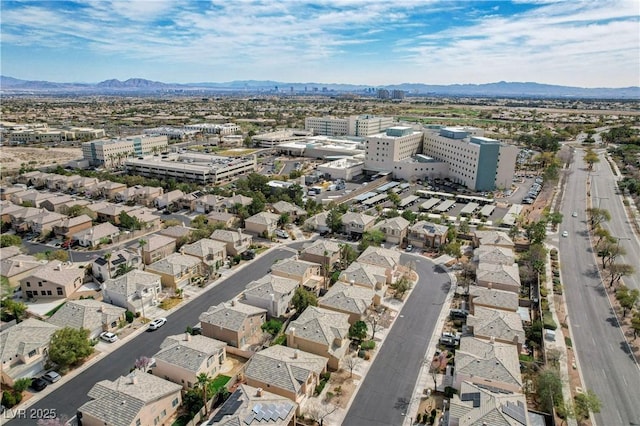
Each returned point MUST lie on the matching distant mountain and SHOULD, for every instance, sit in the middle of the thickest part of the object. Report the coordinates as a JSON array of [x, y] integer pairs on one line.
[[143, 86]]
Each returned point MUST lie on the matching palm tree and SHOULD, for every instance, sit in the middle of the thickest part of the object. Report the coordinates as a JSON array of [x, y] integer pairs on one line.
[[123, 269], [107, 257], [203, 381]]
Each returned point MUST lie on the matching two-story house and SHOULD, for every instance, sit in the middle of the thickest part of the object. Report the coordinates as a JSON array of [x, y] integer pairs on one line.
[[350, 299], [17, 267], [395, 230], [295, 213], [177, 270], [115, 264], [156, 247], [272, 293], [388, 259], [237, 324], [243, 405], [263, 223], [237, 242], [95, 235], [134, 291], [168, 200], [356, 224], [72, 225], [210, 252], [427, 234], [308, 274], [497, 325], [88, 314], [324, 252], [55, 280]]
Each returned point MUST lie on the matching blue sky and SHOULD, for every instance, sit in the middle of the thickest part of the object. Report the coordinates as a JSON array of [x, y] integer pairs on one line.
[[575, 43]]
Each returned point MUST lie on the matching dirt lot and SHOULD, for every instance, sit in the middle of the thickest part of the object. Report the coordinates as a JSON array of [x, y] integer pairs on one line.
[[12, 158]]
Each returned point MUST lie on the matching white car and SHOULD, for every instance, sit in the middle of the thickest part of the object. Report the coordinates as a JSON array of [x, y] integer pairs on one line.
[[157, 323], [107, 336], [51, 377], [565, 234], [574, 214]]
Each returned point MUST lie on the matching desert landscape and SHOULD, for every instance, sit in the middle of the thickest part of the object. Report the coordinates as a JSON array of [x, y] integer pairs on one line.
[[12, 158]]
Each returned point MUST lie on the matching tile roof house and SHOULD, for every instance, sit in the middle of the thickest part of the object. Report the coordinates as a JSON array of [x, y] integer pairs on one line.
[[146, 217], [7, 191], [477, 405], [20, 217], [395, 229], [168, 199], [61, 182], [31, 196], [64, 208], [285, 371], [56, 204], [228, 220], [292, 210], [349, 299], [493, 238], [323, 252], [10, 211], [35, 178], [208, 203], [89, 314], [45, 221], [72, 225], [388, 259], [17, 267], [272, 293], [134, 400], [238, 324], [109, 189], [230, 203], [111, 213], [494, 254], [210, 252], [23, 349], [176, 232], [156, 247], [308, 274], [427, 234], [183, 357], [365, 275], [492, 298], [322, 332], [357, 223], [177, 270], [138, 194], [501, 277], [486, 363], [237, 242], [497, 325], [255, 407], [133, 291], [93, 236], [103, 268], [10, 251], [83, 184], [318, 222], [263, 223], [55, 280]]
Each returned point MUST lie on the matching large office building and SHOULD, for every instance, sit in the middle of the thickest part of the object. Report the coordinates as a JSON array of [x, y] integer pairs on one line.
[[201, 168], [214, 129], [355, 125], [396, 144], [112, 152]]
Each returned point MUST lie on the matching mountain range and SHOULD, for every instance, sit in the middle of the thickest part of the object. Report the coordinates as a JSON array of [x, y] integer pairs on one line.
[[132, 86]]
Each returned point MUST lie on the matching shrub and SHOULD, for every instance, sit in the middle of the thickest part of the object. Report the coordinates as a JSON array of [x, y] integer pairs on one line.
[[280, 340], [21, 385], [8, 399], [129, 316], [330, 395], [369, 344], [548, 322], [567, 341], [543, 291]]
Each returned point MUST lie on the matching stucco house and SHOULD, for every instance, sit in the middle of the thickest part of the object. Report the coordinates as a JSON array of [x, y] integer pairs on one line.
[[44, 222], [111, 213], [168, 199], [91, 237], [323, 252], [56, 204], [255, 407], [272, 293], [134, 400], [494, 254], [177, 270], [493, 238], [395, 229], [295, 213], [357, 223], [498, 276], [17, 267], [492, 298], [322, 332], [479, 405], [427, 234], [72, 225], [183, 357], [103, 268], [210, 252], [308, 274], [318, 223], [156, 247], [89, 314], [263, 223], [24, 349], [237, 324], [388, 259], [365, 275], [497, 325], [349, 299], [133, 291], [227, 220], [237, 242], [55, 280]]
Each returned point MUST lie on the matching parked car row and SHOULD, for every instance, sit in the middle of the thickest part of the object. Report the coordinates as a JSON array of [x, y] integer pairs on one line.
[[533, 191]]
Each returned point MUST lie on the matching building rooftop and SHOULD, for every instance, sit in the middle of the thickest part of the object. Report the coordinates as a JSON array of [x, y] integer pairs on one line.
[[252, 406], [188, 352], [349, 298], [293, 266], [495, 361], [271, 284], [323, 326], [174, 264], [86, 313], [230, 316], [494, 323]]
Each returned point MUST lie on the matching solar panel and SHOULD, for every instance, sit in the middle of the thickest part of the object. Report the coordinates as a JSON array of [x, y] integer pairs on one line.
[[474, 397]]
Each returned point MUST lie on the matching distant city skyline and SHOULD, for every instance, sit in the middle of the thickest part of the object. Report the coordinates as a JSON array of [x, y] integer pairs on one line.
[[577, 43]]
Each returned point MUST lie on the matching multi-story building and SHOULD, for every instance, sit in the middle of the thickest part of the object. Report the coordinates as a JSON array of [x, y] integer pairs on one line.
[[355, 125], [214, 129], [397, 144], [112, 152]]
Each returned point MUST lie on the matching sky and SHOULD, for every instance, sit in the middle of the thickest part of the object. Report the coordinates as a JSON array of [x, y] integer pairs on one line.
[[593, 43]]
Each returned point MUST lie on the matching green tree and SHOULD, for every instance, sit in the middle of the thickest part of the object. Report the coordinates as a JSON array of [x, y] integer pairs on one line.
[[555, 218], [61, 255], [394, 198], [590, 157], [123, 269], [453, 249], [334, 220], [284, 219], [69, 346], [78, 210], [13, 309], [7, 240], [619, 270], [536, 232], [192, 401], [273, 327], [203, 382], [107, 257], [464, 227], [358, 331], [21, 385], [586, 402], [129, 222], [303, 298], [409, 215], [401, 287], [598, 216], [373, 237], [549, 388], [627, 298], [635, 324]]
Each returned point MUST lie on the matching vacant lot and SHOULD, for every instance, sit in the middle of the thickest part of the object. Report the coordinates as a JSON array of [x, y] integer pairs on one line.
[[12, 158]]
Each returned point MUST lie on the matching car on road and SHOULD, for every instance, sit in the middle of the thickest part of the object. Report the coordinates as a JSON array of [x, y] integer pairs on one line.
[[574, 214], [107, 336], [565, 234], [51, 377], [409, 248], [282, 234], [157, 323], [38, 384]]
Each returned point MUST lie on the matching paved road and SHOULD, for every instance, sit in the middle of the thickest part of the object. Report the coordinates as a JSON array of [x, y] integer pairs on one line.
[[607, 367], [72, 394], [386, 392]]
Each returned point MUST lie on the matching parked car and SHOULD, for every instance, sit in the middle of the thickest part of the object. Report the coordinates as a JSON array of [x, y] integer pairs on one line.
[[157, 323], [458, 313], [574, 214], [107, 336], [51, 377], [38, 384], [565, 234], [409, 248], [281, 234]]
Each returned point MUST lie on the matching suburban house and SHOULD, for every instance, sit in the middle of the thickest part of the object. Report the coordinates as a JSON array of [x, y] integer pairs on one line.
[[493, 238], [133, 291], [427, 234], [207, 203], [89, 314], [318, 223], [20, 217], [478, 405], [17, 267], [44, 222], [111, 213], [323, 252], [109, 189], [120, 261], [322, 332], [146, 217], [236, 241], [168, 200], [395, 230], [84, 183], [134, 400], [139, 194], [308, 274], [156, 247], [230, 203], [55, 280], [95, 235], [492, 298], [10, 251], [357, 223], [183, 357], [501, 277], [72, 225], [176, 270], [285, 371], [35, 178], [7, 191], [10, 210], [24, 348], [496, 325], [177, 232], [272, 293], [98, 205], [210, 252], [295, 213], [263, 223], [227, 220], [64, 208], [388, 259], [61, 183], [31, 198], [56, 204], [490, 364], [237, 324], [255, 407], [494, 254], [365, 275], [349, 299]]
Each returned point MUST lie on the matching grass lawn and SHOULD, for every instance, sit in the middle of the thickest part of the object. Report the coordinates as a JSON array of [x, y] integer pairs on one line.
[[169, 303], [219, 382]]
